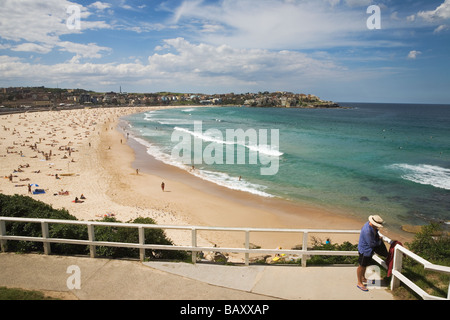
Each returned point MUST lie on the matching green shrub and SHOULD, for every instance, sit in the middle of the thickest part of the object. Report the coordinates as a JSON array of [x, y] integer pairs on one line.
[[158, 236], [66, 231], [432, 244], [323, 260], [26, 207], [131, 235]]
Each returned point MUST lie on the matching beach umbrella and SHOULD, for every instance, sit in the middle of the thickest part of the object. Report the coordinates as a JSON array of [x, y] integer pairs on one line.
[[34, 185]]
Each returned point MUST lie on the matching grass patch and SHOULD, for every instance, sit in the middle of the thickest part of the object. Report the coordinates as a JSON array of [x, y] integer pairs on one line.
[[21, 294], [433, 244]]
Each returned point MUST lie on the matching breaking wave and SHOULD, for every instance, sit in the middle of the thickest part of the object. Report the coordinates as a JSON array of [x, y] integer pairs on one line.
[[262, 149], [425, 174], [219, 178]]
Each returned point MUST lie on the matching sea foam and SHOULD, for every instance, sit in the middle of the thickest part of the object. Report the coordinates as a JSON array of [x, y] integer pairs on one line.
[[425, 174], [262, 149], [219, 178]]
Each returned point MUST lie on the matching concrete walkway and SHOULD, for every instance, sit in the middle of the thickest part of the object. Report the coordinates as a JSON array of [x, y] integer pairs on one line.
[[103, 279]]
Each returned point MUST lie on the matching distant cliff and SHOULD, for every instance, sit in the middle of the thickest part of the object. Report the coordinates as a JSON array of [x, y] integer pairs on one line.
[[288, 100]]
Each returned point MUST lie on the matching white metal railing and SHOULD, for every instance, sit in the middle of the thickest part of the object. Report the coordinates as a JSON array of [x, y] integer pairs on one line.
[[398, 277], [304, 253]]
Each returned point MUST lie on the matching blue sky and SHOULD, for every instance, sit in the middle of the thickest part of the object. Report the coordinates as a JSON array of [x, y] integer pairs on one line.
[[322, 47]]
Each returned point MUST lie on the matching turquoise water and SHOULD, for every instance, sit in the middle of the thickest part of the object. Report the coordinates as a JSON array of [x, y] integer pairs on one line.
[[389, 159]]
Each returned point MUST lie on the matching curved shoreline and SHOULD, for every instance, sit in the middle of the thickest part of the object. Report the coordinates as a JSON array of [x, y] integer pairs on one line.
[[102, 166], [246, 209]]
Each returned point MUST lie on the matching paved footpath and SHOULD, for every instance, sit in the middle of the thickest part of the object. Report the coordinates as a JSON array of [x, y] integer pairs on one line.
[[102, 279]]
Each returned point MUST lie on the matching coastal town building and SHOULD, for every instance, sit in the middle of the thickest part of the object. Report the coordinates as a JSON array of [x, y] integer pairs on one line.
[[51, 98]]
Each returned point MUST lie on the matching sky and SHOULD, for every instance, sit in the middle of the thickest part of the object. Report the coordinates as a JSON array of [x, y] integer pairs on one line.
[[339, 50]]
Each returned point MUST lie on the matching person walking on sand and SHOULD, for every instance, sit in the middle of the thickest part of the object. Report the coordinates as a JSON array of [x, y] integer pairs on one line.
[[369, 243], [163, 185]]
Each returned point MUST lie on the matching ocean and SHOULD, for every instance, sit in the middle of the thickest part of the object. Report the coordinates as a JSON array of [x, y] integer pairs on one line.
[[386, 159]]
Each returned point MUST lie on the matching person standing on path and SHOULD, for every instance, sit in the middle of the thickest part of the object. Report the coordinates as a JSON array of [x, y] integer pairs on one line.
[[163, 186], [369, 243]]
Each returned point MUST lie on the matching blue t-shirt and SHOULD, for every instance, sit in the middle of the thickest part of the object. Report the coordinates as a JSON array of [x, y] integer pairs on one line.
[[368, 240]]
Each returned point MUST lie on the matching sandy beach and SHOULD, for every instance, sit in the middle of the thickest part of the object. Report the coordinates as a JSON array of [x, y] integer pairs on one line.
[[85, 152]]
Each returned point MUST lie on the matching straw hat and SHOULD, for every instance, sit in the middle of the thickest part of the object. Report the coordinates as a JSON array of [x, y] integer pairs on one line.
[[377, 221]]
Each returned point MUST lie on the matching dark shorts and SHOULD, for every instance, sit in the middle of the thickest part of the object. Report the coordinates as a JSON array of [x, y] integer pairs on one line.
[[367, 261], [364, 261]]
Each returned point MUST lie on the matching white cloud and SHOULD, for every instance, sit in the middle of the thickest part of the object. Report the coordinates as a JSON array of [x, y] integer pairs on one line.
[[273, 24], [90, 50], [252, 65], [33, 47], [186, 66], [334, 2], [100, 5], [441, 12], [37, 26], [414, 54], [394, 16], [358, 3], [411, 18], [441, 28]]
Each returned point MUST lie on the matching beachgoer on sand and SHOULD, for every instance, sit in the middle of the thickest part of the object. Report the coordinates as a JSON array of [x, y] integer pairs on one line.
[[78, 200], [163, 185]]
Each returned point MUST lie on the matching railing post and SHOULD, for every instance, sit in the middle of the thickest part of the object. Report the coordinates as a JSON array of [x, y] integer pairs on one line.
[[45, 236], [397, 266], [141, 242], [448, 292], [194, 244], [304, 249], [247, 246], [91, 235], [3, 233]]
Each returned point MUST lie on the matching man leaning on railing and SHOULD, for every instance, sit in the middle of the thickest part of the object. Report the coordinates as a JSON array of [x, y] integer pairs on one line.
[[369, 243]]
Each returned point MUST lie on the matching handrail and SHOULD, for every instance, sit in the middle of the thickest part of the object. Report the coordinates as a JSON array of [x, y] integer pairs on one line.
[[398, 277], [154, 226], [304, 253], [194, 248]]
